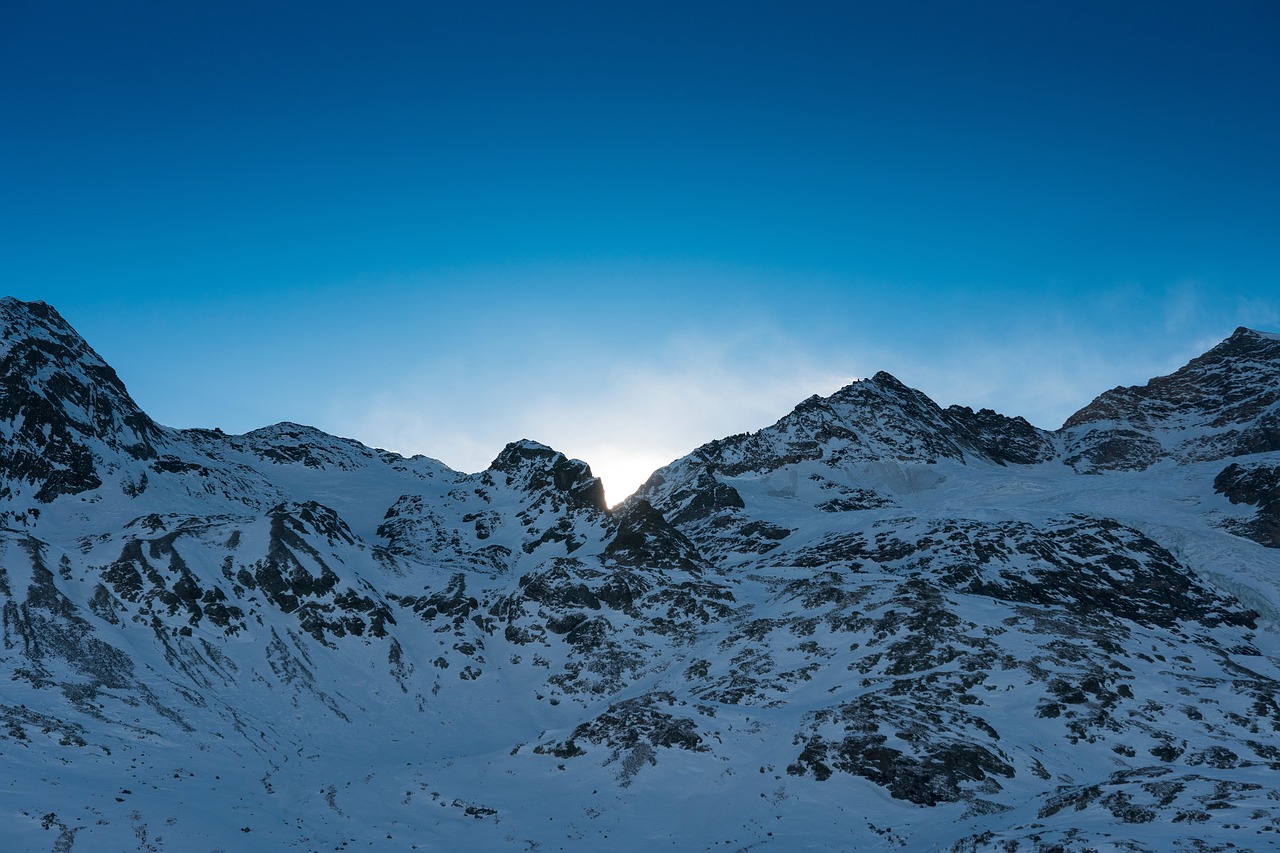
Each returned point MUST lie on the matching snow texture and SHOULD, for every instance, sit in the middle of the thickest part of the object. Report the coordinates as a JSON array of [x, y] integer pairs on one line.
[[876, 625]]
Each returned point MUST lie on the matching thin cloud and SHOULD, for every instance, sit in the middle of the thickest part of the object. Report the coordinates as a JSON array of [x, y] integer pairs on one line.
[[628, 410], [625, 422]]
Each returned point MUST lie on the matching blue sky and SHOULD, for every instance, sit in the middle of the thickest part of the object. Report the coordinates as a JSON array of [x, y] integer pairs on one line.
[[628, 229]]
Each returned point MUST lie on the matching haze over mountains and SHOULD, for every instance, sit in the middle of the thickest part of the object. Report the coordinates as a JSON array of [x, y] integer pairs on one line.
[[876, 624]]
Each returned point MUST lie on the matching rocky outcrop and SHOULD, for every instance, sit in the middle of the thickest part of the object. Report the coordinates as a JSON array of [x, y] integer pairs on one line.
[[878, 621], [1256, 484], [60, 403], [1221, 404]]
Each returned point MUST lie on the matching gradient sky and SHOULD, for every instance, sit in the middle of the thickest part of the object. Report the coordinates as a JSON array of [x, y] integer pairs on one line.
[[627, 229]]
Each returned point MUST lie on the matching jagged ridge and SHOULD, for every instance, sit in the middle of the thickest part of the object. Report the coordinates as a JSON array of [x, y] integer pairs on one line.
[[873, 596]]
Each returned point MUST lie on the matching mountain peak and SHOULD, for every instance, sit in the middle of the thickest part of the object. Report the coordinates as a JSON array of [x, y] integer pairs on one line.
[[854, 611], [60, 404], [1225, 402], [13, 303], [887, 379], [10, 304], [25, 321], [1229, 383], [518, 454], [1246, 332], [533, 466]]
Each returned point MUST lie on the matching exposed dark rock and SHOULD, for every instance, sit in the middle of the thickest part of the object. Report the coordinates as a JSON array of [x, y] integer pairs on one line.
[[60, 397], [1115, 450], [1258, 485], [534, 466], [1223, 403], [857, 592], [633, 730], [645, 538], [999, 438]]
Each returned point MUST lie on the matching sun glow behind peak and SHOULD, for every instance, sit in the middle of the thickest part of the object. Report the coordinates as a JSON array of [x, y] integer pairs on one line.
[[625, 420]]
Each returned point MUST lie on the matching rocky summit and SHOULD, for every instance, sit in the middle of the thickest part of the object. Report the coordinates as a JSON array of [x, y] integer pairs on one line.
[[878, 624]]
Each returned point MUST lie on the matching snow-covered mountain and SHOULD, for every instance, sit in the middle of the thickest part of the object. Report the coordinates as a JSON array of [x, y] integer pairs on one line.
[[876, 624]]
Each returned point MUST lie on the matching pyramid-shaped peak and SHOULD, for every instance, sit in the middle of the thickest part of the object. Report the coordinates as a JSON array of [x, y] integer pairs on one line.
[[13, 304], [1245, 342], [23, 322], [887, 379], [1223, 403], [881, 379], [42, 354], [28, 317], [1233, 382], [1245, 332], [62, 408], [881, 384]]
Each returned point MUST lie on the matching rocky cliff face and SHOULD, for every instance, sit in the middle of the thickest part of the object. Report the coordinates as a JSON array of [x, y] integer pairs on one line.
[[1224, 403], [60, 400], [876, 624]]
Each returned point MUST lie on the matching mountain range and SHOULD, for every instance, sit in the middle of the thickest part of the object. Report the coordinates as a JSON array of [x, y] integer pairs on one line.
[[877, 624]]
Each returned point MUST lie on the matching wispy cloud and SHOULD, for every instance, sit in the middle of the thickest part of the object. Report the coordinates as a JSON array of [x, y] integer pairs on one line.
[[630, 405], [626, 419]]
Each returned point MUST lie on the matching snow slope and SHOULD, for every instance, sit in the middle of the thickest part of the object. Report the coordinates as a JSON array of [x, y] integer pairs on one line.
[[875, 625]]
